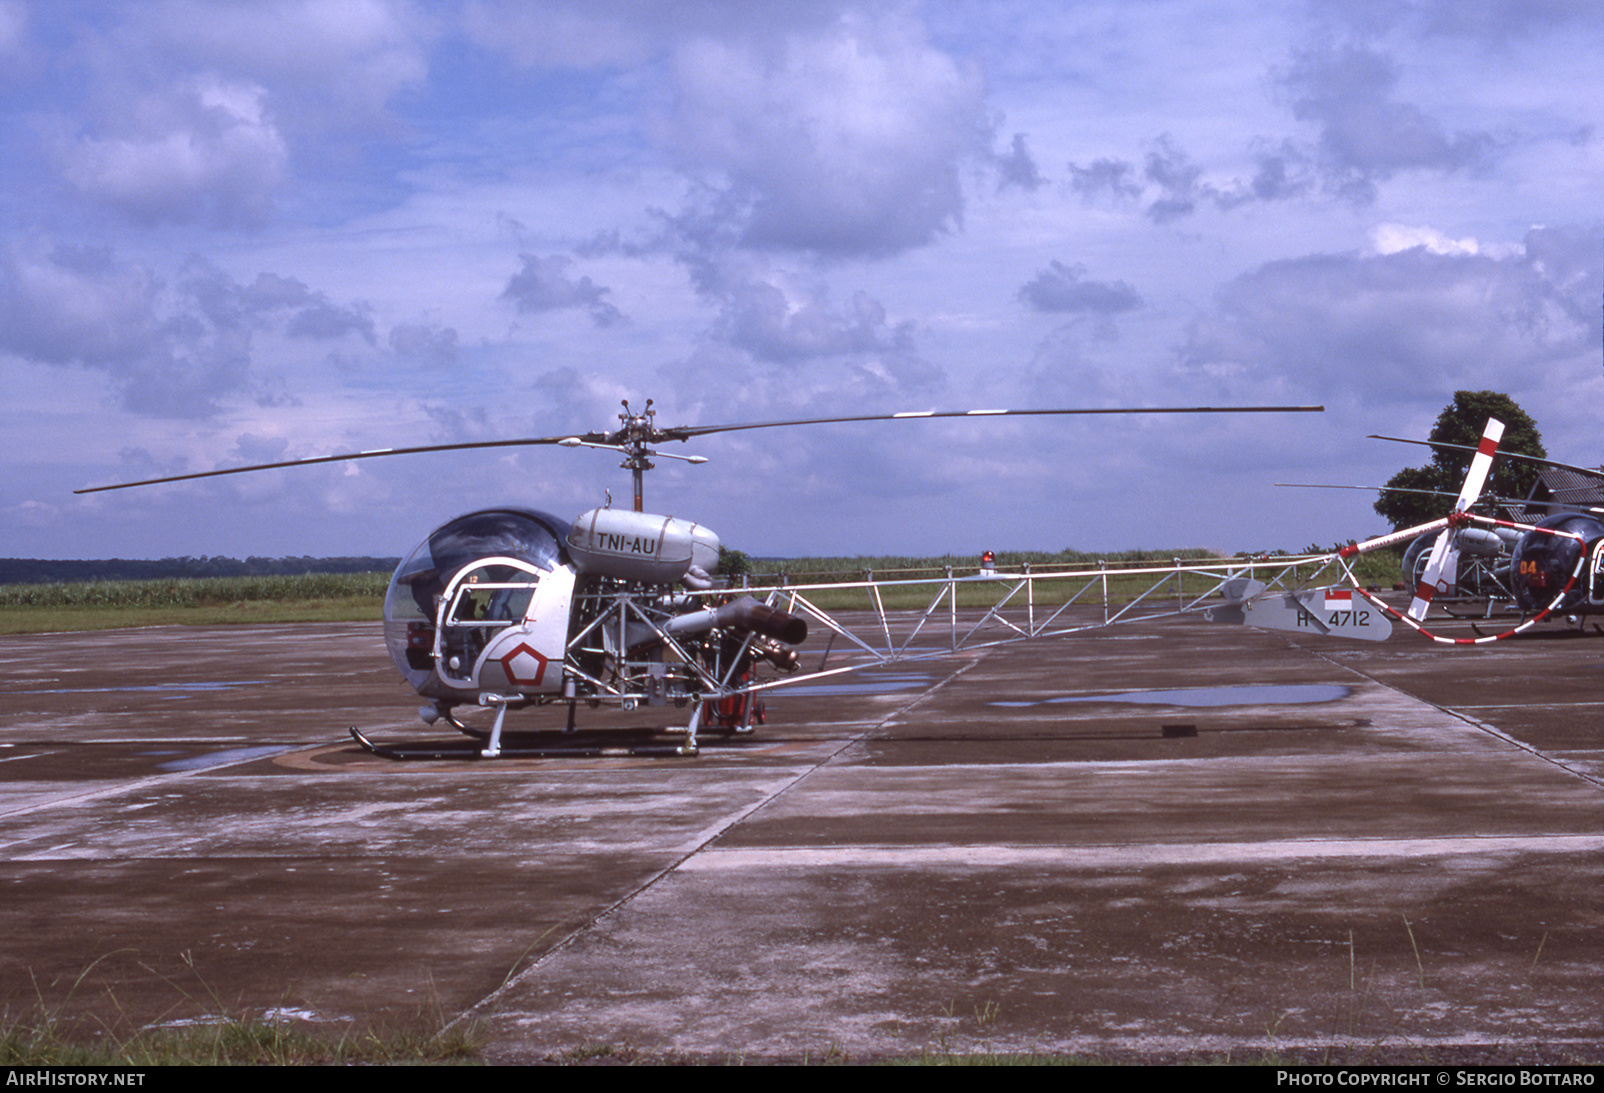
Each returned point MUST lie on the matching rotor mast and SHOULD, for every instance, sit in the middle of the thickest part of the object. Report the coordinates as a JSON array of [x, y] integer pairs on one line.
[[633, 438]]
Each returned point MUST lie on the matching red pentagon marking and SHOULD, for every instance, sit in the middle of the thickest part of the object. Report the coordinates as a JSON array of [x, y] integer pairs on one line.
[[524, 665]]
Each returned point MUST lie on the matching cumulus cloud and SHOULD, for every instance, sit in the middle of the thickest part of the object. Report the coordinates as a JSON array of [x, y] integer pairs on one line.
[[1365, 134], [1060, 370], [544, 285], [424, 343], [300, 49], [76, 304], [1116, 177], [762, 319], [835, 129], [1061, 288], [1392, 238], [273, 300], [1171, 185], [845, 142], [1018, 167], [207, 153], [1177, 179], [1412, 322], [1282, 174], [172, 350], [192, 111]]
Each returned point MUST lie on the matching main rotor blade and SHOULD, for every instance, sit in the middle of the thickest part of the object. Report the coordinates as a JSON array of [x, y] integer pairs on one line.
[[1591, 472], [1371, 489], [373, 453], [684, 432], [657, 435]]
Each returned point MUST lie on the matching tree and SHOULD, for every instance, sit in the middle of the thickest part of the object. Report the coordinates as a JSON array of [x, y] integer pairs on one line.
[[733, 563], [1462, 422]]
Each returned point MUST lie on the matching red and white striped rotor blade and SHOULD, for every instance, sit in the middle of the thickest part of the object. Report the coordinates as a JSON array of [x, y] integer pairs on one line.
[[1442, 567], [1481, 464]]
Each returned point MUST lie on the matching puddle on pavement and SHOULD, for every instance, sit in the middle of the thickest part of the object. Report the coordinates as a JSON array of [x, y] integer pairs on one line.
[[866, 684], [223, 758], [1266, 694]]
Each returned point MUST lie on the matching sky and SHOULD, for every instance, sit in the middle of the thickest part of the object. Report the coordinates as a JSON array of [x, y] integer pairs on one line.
[[237, 233]]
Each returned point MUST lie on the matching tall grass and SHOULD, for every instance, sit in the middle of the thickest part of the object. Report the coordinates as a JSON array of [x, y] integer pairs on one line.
[[50, 1033], [196, 591]]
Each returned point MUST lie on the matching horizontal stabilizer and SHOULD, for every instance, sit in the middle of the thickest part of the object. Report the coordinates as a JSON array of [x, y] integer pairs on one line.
[[1336, 612], [1238, 589]]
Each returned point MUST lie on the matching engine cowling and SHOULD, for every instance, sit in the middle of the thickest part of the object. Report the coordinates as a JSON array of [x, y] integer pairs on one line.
[[640, 546]]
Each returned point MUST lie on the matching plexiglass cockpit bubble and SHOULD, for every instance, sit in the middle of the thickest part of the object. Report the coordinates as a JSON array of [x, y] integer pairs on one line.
[[1542, 564], [412, 602]]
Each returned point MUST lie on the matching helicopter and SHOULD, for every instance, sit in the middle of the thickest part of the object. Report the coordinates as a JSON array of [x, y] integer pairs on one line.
[[1510, 562], [1521, 562], [1556, 566], [512, 607]]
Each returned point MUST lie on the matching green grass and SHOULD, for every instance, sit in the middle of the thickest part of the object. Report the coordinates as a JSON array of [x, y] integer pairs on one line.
[[46, 620], [207, 601], [233, 1042], [196, 591], [52, 1033]]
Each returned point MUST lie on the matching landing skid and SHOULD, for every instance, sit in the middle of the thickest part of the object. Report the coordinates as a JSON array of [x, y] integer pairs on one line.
[[465, 750]]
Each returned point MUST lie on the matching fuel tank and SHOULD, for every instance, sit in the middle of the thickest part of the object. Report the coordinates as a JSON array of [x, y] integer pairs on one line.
[[640, 546]]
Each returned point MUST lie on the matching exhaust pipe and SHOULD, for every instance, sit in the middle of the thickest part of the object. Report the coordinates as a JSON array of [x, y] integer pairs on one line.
[[746, 614]]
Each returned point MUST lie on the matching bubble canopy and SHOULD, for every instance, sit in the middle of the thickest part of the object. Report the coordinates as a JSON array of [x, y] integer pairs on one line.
[[1543, 563], [525, 535]]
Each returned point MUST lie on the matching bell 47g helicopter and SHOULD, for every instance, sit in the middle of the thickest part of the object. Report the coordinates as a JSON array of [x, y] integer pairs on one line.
[[509, 608]]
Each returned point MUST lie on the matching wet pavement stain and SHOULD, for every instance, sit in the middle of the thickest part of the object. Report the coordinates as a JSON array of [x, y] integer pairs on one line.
[[1208, 697]]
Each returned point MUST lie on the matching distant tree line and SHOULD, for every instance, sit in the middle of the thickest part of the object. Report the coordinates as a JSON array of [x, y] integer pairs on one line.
[[48, 571]]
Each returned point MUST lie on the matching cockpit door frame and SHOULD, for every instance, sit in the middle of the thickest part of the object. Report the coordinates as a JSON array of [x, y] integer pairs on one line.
[[460, 643]]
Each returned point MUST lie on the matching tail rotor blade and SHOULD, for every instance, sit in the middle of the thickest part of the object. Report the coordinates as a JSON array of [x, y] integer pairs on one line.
[[1431, 577], [1481, 464], [1442, 567]]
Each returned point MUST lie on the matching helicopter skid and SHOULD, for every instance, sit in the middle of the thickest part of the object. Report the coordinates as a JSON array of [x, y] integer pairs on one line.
[[461, 751]]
